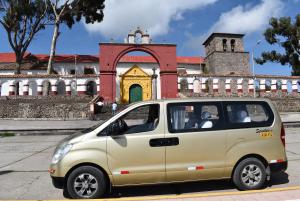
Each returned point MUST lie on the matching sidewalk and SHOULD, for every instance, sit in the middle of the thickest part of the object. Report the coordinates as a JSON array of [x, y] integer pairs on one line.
[[27, 125], [19, 125]]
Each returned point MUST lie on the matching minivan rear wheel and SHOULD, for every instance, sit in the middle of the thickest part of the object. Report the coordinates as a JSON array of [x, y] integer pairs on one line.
[[86, 182], [250, 174]]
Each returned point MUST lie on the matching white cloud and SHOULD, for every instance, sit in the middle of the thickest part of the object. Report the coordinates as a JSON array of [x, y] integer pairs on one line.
[[245, 19], [121, 16]]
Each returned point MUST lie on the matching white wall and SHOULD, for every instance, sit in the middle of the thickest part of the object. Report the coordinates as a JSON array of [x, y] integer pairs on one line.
[[65, 68]]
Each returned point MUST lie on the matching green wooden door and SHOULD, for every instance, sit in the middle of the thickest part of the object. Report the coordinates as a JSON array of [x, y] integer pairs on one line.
[[135, 93]]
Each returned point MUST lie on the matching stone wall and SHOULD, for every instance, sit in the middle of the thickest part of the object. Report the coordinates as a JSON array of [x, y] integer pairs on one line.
[[77, 107], [287, 104], [228, 62], [45, 107]]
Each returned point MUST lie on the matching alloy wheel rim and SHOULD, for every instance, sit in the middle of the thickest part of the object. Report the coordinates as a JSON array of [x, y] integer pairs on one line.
[[251, 175], [85, 185]]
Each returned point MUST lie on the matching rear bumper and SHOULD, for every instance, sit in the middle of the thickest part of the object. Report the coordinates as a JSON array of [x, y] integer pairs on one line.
[[58, 182], [277, 167]]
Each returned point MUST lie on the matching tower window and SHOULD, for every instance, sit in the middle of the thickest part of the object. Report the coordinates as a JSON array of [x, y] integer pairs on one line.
[[224, 45], [232, 43]]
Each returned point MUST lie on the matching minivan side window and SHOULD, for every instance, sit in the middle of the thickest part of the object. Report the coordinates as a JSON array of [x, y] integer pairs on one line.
[[244, 114], [141, 119], [194, 116]]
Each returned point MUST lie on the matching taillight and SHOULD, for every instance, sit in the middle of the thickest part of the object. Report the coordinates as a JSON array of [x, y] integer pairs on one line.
[[282, 135]]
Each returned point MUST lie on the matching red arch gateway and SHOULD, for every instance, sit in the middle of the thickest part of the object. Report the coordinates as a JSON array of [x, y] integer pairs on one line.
[[111, 53]]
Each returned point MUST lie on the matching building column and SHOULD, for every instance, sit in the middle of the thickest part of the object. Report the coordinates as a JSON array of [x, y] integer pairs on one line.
[[98, 85], [227, 86], [284, 87], [25, 87], [39, 89], [215, 86], [178, 86], [295, 87], [154, 87], [0, 89], [203, 85], [240, 86], [251, 86], [81, 89], [68, 87], [53, 90], [262, 87], [274, 87], [12, 89], [168, 81]]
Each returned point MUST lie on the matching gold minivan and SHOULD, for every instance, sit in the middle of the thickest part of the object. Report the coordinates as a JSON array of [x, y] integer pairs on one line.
[[174, 140]]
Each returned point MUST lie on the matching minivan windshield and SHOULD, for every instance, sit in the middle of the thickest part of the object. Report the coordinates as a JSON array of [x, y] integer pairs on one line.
[[93, 127]]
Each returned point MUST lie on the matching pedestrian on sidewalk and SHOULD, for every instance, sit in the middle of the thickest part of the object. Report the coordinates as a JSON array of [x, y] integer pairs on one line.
[[114, 107], [100, 105]]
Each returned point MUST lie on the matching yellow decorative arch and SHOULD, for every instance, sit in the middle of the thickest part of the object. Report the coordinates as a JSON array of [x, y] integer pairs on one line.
[[135, 75]]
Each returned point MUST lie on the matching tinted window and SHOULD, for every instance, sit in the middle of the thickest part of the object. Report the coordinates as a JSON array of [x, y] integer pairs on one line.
[[248, 114], [189, 117]]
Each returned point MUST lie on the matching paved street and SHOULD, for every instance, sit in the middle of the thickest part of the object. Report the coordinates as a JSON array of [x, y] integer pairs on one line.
[[25, 159]]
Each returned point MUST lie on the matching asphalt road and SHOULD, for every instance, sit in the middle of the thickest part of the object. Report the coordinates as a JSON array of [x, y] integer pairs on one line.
[[24, 162]]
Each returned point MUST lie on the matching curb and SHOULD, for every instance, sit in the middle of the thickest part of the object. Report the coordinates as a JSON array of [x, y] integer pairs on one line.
[[199, 195], [196, 195]]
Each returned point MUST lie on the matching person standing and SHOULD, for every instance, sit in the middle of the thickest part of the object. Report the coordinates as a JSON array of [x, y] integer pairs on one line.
[[99, 107], [114, 108]]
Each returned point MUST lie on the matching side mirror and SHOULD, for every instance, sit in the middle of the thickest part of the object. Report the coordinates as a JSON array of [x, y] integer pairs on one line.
[[114, 128]]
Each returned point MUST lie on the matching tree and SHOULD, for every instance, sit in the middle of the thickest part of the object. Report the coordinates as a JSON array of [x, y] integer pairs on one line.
[[22, 20], [69, 12], [285, 33]]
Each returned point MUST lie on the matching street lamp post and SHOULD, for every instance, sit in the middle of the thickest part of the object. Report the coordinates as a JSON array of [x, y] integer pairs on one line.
[[253, 73]]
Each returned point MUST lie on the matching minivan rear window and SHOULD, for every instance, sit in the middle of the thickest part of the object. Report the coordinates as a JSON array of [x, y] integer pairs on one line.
[[243, 114]]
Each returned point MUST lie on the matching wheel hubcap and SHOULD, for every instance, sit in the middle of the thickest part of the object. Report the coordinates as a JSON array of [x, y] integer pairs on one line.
[[85, 185], [251, 175]]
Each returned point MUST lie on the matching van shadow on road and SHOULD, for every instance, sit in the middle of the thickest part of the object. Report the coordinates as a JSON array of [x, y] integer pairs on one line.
[[171, 189], [189, 187], [278, 178]]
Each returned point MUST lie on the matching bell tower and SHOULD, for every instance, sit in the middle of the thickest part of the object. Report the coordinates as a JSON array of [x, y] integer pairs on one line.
[[225, 54]]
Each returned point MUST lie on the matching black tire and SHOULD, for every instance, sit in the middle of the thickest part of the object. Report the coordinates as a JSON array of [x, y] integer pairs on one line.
[[89, 180], [250, 174]]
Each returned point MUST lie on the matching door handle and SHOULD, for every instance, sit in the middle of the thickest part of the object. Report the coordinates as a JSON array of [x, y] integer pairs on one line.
[[157, 142], [172, 141], [162, 142]]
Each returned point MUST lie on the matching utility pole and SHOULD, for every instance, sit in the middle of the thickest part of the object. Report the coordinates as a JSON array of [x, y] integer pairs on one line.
[[253, 69]]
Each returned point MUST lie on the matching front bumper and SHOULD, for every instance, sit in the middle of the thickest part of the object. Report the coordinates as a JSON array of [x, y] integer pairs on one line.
[[277, 167], [58, 182]]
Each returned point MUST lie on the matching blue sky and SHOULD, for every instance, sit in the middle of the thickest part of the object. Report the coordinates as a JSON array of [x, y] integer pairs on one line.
[[184, 22]]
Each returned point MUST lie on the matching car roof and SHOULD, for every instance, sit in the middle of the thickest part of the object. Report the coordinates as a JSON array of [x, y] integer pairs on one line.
[[201, 99]]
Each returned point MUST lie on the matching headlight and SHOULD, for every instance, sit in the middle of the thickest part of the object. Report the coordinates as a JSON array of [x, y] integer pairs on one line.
[[61, 152]]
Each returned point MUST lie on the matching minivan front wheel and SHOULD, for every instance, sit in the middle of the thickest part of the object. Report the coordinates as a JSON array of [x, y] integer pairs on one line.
[[86, 182], [250, 174]]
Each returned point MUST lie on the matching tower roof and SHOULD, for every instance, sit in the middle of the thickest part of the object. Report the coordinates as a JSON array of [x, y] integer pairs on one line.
[[231, 35]]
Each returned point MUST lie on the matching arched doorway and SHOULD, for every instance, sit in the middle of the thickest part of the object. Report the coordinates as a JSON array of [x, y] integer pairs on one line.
[[135, 75], [164, 54], [91, 88], [135, 93], [32, 88], [61, 88], [46, 88], [184, 86]]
